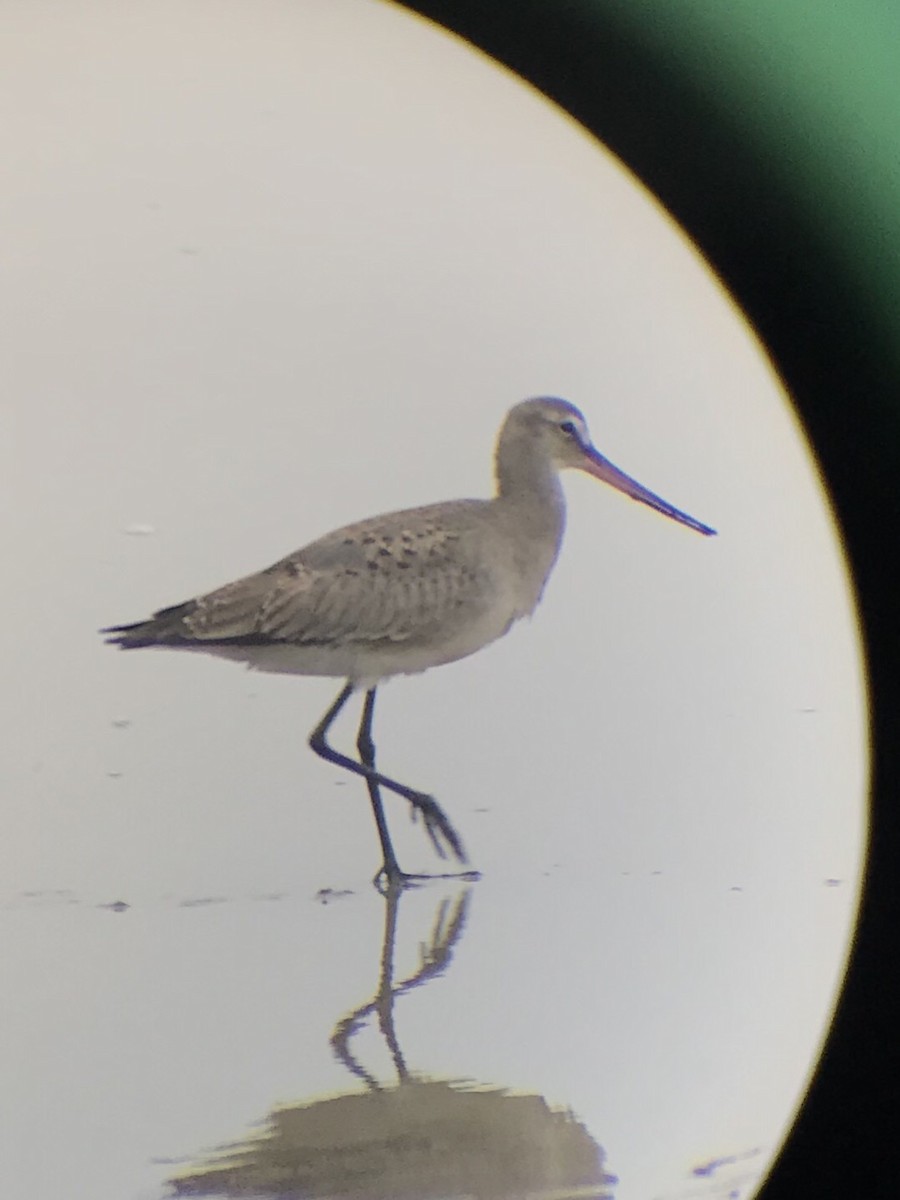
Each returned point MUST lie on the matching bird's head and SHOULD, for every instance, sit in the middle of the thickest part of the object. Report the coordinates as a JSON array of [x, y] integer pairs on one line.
[[556, 432]]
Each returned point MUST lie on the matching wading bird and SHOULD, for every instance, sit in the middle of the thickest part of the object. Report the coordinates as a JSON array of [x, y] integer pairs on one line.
[[399, 593]]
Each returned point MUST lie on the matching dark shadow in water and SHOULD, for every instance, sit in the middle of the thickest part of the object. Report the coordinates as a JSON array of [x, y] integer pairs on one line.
[[418, 1138]]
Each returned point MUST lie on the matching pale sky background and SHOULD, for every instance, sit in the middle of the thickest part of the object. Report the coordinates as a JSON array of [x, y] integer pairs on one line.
[[269, 267]]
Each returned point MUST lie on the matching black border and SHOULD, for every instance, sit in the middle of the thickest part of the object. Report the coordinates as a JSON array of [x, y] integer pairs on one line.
[[840, 359]]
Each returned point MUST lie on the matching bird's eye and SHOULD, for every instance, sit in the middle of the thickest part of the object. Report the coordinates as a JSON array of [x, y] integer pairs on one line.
[[569, 428]]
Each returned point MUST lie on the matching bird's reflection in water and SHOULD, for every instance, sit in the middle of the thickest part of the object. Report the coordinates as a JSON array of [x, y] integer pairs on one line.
[[418, 1138]]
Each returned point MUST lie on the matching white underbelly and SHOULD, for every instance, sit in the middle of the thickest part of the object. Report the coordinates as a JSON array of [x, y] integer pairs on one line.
[[364, 664]]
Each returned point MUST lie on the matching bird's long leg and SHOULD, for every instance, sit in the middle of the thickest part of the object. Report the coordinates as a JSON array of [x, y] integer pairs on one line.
[[366, 747], [436, 822], [390, 873]]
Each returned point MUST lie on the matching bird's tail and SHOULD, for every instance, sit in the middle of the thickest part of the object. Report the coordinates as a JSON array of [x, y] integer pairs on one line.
[[164, 628]]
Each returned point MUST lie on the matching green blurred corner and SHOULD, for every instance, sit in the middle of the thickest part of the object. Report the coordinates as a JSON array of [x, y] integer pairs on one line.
[[814, 88]]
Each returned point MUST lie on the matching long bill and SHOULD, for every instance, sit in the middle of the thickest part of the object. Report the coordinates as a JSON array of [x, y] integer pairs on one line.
[[601, 468]]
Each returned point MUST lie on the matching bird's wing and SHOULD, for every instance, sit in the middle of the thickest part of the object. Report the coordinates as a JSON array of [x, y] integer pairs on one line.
[[378, 582], [399, 578]]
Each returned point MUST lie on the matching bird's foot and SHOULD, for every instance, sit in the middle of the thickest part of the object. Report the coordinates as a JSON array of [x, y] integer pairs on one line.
[[438, 827], [396, 880]]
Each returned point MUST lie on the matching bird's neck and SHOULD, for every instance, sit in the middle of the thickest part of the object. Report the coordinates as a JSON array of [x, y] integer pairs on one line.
[[521, 467], [528, 484]]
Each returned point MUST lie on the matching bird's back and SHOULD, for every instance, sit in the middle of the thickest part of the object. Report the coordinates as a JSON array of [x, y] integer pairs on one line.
[[388, 595]]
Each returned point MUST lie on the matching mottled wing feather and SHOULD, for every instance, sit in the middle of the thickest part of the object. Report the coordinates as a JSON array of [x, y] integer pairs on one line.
[[399, 578], [403, 577], [388, 604]]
